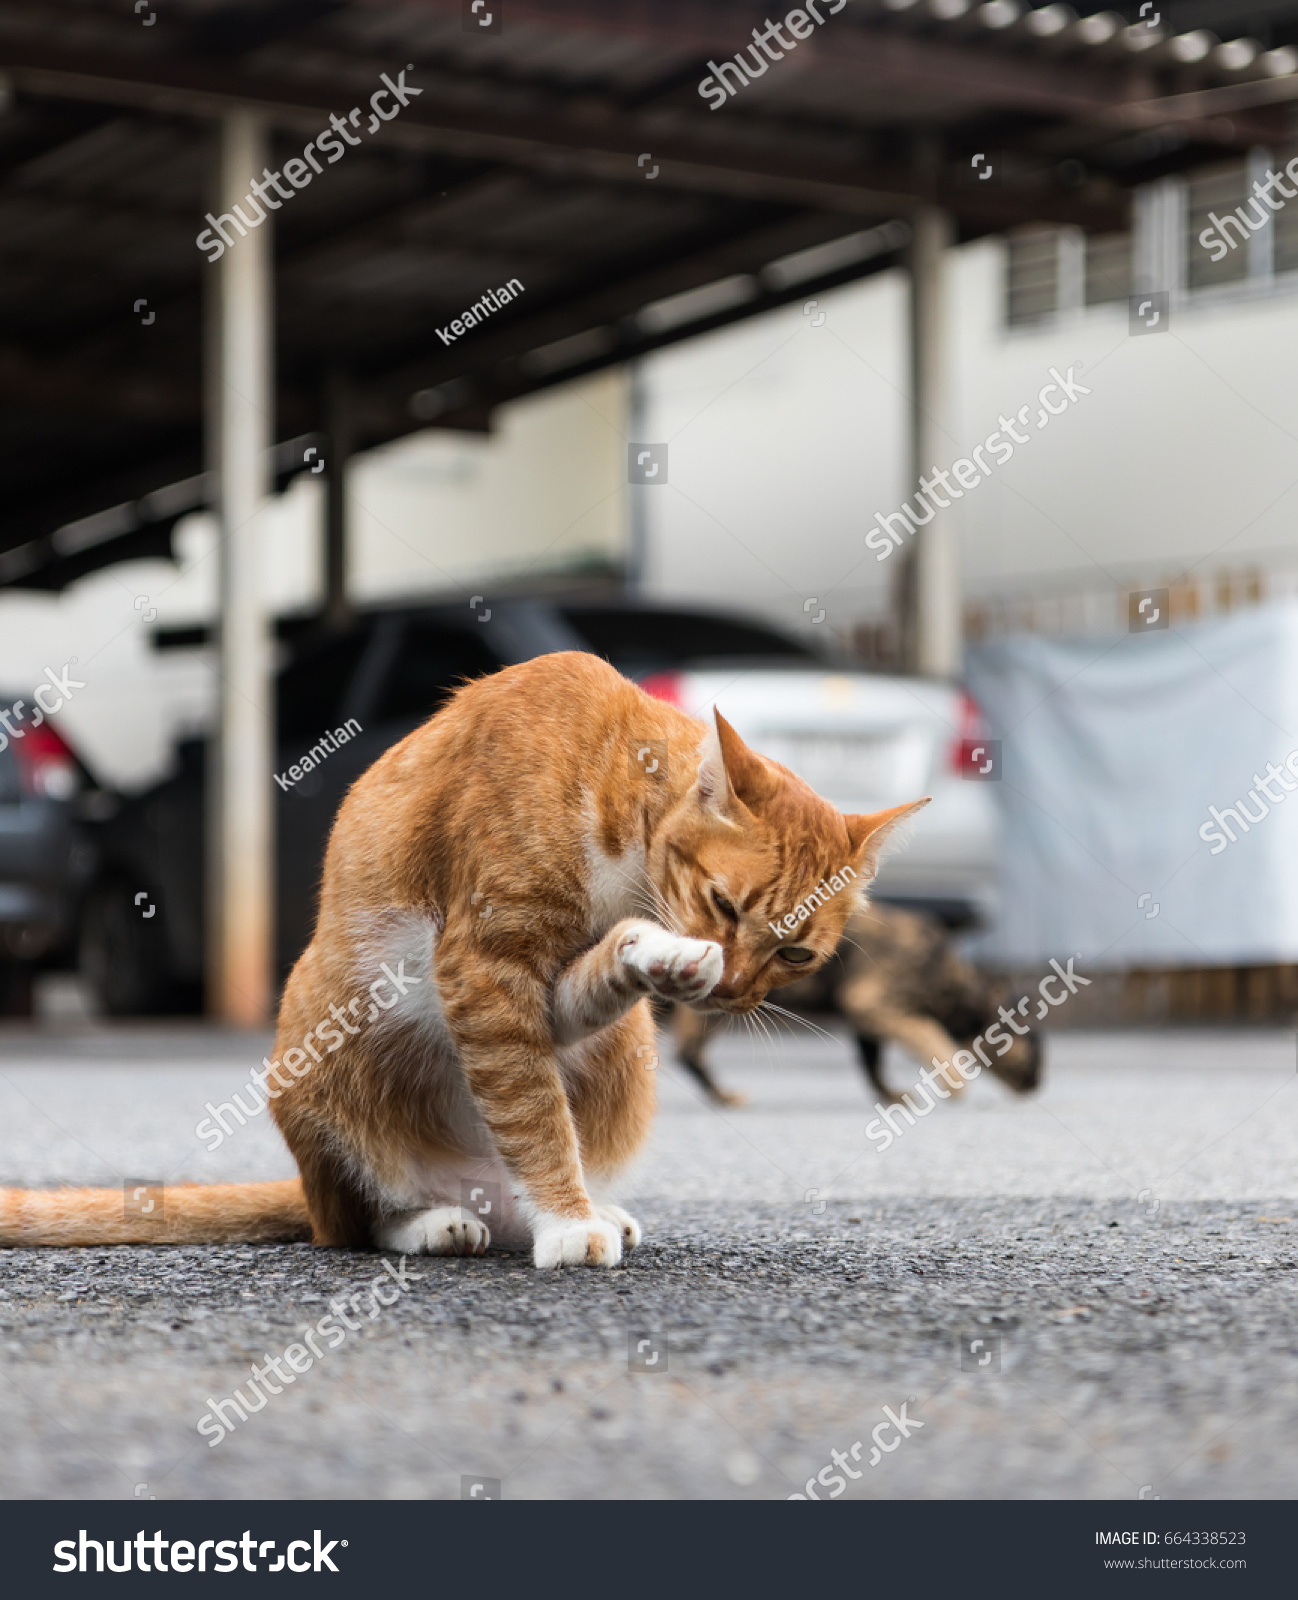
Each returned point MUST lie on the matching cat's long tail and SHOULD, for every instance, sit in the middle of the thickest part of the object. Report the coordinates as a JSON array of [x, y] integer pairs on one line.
[[191, 1213]]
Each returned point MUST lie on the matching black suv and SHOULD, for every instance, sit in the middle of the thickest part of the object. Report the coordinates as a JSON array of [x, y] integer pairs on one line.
[[375, 681]]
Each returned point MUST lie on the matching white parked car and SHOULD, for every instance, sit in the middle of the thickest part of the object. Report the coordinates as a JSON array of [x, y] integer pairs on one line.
[[861, 739]]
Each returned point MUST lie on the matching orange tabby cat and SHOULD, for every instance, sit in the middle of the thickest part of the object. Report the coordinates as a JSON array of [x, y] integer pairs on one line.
[[508, 885]]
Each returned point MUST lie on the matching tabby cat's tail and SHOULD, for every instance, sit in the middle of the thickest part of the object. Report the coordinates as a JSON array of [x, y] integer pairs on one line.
[[191, 1213]]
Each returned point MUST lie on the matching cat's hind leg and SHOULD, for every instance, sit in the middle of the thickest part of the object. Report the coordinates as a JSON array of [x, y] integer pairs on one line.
[[439, 1231]]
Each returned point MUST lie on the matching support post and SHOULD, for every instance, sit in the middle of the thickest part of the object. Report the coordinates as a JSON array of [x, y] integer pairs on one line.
[[340, 427], [637, 552], [932, 631], [240, 397]]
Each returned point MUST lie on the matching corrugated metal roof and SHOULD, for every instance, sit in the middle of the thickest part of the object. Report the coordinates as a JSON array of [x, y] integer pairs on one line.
[[568, 147]]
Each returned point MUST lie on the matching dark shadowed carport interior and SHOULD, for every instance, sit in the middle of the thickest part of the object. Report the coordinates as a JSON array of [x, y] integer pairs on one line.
[[566, 146]]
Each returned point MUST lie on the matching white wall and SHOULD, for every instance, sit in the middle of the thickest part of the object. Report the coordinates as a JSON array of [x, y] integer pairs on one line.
[[783, 436], [786, 438], [1183, 454], [545, 492]]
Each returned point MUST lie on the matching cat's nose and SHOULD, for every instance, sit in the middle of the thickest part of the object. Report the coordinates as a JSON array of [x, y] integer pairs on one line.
[[726, 991]]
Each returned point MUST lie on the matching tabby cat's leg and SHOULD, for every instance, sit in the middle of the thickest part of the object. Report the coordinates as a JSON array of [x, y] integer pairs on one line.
[[918, 1035], [692, 1030], [871, 1052]]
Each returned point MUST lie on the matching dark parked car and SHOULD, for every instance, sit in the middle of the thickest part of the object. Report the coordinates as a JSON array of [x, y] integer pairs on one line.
[[45, 856], [342, 700]]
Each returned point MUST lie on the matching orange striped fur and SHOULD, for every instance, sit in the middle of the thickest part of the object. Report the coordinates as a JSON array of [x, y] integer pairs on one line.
[[194, 1213], [525, 876]]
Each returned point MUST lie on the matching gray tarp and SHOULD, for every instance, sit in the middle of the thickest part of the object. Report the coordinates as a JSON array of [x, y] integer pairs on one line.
[[1113, 751]]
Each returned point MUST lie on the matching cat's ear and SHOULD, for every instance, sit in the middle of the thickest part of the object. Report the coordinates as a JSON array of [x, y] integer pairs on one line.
[[730, 771], [870, 832]]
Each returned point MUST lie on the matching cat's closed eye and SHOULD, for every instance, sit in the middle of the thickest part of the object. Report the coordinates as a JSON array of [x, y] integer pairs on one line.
[[724, 906]]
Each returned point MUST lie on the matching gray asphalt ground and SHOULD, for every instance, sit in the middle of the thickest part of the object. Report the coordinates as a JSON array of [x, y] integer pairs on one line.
[[1123, 1244]]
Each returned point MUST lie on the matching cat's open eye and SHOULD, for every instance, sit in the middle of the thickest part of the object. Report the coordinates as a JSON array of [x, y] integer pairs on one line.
[[724, 906], [797, 955]]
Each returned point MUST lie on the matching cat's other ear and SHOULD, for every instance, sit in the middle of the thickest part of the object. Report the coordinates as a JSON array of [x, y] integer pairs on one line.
[[870, 832], [730, 771]]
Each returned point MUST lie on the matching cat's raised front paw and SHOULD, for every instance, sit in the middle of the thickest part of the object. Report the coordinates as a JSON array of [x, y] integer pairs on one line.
[[675, 968], [588, 1242]]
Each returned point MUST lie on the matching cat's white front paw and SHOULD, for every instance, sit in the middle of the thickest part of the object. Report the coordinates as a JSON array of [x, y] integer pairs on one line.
[[443, 1231], [589, 1242], [624, 1222], [675, 968]]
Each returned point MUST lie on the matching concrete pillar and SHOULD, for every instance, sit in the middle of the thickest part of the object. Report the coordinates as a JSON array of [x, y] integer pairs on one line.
[[339, 425], [933, 632], [241, 841], [637, 552], [1158, 246], [1261, 245]]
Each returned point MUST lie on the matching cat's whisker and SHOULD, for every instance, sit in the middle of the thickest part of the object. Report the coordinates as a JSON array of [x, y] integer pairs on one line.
[[792, 1016], [759, 1029], [653, 903], [768, 1033], [664, 910]]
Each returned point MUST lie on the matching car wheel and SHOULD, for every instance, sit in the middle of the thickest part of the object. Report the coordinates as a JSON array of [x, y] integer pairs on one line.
[[123, 956]]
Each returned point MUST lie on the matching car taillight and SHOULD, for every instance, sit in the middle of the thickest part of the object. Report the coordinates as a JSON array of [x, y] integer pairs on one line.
[[972, 728], [46, 767], [665, 686]]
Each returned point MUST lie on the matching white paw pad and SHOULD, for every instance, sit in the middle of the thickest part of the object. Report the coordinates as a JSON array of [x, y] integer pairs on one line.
[[592, 1242], [675, 968], [624, 1222], [443, 1231]]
